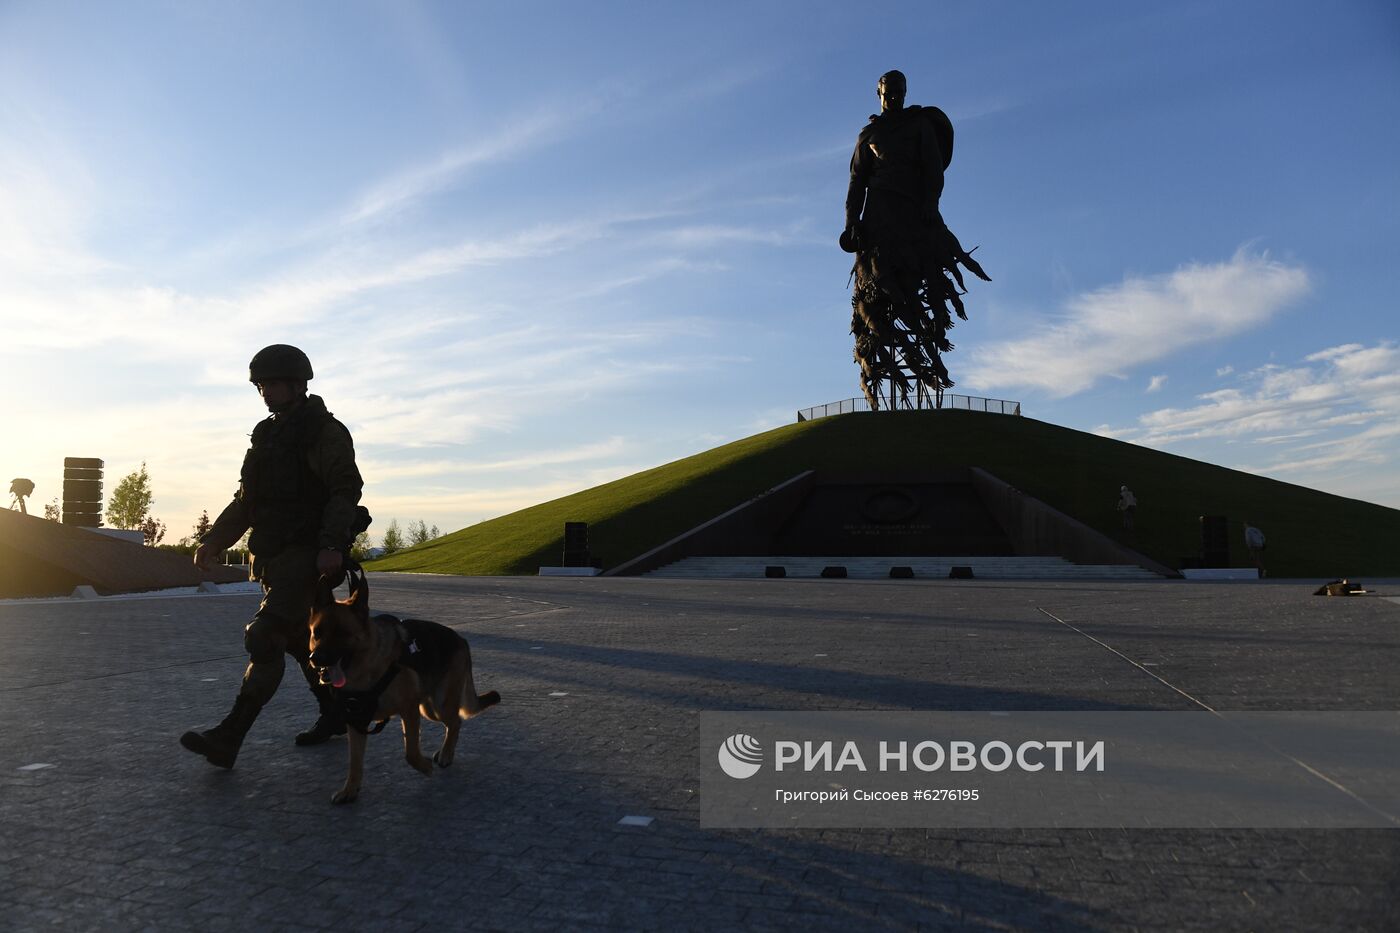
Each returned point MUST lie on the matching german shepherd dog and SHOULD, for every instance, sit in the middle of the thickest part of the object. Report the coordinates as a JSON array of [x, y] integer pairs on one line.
[[382, 667]]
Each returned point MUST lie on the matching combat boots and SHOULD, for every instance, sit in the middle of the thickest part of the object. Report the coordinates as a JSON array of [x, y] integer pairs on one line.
[[220, 744], [327, 725], [331, 722]]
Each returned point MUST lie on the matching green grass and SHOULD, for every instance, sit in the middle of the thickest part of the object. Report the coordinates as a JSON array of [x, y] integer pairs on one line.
[[1310, 533]]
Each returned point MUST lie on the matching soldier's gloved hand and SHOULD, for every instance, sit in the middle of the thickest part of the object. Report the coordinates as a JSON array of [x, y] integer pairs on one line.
[[329, 563]]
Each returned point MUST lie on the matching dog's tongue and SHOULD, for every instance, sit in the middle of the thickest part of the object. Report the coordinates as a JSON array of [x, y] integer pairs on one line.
[[337, 676]]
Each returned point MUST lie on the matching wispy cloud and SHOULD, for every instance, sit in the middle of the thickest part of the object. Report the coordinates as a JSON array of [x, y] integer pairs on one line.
[[643, 272], [103, 307], [408, 185], [333, 278], [47, 195], [395, 469], [461, 506], [704, 235], [723, 79], [546, 125], [1156, 383], [455, 366], [1322, 420], [1107, 332]]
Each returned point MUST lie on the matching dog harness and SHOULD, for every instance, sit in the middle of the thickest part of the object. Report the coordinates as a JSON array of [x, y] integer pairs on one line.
[[359, 707]]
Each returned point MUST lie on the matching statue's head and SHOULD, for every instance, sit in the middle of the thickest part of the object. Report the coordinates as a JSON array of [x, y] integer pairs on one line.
[[892, 88]]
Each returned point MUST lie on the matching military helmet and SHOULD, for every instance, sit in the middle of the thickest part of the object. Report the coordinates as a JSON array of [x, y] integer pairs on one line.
[[279, 361]]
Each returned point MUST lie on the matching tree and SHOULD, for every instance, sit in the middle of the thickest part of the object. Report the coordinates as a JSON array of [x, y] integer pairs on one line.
[[393, 538], [418, 534], [190, 543], [359, 548], [53, 511], [131, 500], [238, 554], [153, 529]]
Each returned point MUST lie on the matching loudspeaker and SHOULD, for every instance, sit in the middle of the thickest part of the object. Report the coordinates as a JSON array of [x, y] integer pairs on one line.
[[901, 573], [960, 573], [772, 571], [576, 545], [82, 492], [834, 572]]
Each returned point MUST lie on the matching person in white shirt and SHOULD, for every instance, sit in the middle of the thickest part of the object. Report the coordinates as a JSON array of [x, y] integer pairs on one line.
[[1254, 540], [1127, 504]]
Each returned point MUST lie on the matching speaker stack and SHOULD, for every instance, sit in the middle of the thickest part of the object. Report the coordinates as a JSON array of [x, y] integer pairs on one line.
[[576, 545], [82, 492]]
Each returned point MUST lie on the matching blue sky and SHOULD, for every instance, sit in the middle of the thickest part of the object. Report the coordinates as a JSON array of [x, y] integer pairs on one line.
[[532, 247]]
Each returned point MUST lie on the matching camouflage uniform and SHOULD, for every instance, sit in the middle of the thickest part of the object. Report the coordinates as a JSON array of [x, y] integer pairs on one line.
[[299, 492]]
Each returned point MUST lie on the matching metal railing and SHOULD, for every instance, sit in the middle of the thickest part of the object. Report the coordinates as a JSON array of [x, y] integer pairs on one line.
[[993, 406]]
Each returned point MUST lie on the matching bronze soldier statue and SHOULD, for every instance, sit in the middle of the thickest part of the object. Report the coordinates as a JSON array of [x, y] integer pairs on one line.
[[20, 489], [299, 493], [907, 280]]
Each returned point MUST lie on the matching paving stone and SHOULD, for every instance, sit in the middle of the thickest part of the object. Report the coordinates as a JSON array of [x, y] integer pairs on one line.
[[129, 831]]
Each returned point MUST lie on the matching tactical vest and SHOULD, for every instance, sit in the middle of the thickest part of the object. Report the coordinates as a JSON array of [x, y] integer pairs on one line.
[[285, 499]]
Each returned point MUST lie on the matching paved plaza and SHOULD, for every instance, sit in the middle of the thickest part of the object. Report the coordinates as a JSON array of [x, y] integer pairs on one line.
[[107, 824]]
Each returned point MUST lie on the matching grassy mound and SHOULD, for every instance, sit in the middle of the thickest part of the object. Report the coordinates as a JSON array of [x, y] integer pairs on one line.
[[1310, 533]]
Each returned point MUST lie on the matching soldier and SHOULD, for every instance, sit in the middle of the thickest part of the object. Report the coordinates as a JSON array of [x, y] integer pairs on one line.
[[907, 281], [299, 492], [897, 174]]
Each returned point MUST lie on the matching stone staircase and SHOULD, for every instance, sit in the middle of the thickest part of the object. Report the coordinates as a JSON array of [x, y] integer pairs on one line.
[[878, 568]]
